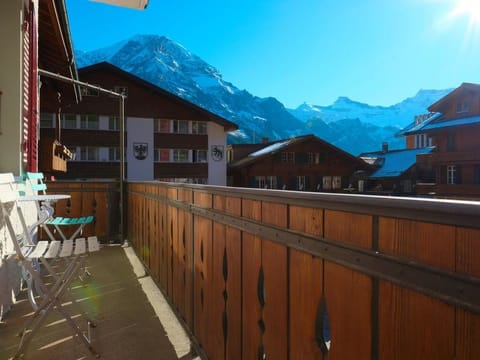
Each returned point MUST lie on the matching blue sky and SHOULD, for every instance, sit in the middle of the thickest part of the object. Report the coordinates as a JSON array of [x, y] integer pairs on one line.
[[374, 51]]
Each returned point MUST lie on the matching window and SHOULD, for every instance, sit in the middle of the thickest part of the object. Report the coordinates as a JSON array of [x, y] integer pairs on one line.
[[113, 154], [288, 157], [422, 141], [463, 107], [200, 156], [69, 121], [89, 122], [180, 126], [180, 155], [327, 183], [260, 182], [199, 127], [451, 174], [271, 182], [300, 183], [313, 158], [88, 153], [113, 123], [46, 120], [88, 91], [121, 90], [161, 125], [336, 182], [161, 155]]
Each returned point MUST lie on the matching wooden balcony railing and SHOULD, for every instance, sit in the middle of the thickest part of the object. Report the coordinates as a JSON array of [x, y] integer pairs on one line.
[[260, 274]]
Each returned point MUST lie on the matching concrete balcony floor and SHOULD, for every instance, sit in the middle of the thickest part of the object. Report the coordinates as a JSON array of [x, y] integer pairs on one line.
[[133, 319]]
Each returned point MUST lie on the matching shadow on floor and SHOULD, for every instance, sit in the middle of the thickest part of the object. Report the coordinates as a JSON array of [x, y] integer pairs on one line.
[[127, 326]]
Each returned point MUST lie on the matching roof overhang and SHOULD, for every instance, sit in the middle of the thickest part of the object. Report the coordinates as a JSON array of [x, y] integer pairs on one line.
[[134, 4], [55, 49]]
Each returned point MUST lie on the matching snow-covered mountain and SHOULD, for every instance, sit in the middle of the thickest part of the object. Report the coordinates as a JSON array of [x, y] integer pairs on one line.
[[350, 125], [170, 66], [398, 115]]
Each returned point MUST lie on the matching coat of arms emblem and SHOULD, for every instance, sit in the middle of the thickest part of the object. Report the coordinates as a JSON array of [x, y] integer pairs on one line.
[[217, 152], [140, 150]]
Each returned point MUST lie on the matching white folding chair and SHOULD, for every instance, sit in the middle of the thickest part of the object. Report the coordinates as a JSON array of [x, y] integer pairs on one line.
[[27, 252]]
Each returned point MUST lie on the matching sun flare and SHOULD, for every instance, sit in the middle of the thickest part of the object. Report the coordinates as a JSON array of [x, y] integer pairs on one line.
[[468, 8]]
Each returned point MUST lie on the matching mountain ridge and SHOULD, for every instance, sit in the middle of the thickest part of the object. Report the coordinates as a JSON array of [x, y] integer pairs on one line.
[[353, 126]]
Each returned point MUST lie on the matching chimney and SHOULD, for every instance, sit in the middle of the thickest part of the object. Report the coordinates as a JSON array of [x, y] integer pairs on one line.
[[264, 140], [385, 147]]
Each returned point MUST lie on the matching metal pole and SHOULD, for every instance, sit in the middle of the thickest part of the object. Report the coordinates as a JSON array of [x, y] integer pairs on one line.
[[122, 166], [122, 130]]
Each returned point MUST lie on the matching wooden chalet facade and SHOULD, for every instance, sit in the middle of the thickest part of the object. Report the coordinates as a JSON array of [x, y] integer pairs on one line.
[[452, 170], [304, 163], [35, 35], [167, 137], [396, 171]]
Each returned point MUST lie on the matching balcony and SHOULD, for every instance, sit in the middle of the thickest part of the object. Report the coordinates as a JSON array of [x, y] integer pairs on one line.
[[277, 274], [436, 158]]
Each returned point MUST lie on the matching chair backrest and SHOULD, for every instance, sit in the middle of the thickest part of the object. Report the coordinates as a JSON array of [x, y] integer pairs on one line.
[[8, 195], [35, 182]]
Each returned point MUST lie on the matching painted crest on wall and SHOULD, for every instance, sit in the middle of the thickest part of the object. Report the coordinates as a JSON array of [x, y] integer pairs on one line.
[[217, 152], [140, 150]]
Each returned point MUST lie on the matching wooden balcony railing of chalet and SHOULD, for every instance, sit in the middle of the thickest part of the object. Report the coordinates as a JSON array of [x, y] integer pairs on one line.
[[452, 156], [451, 191], [272, 274], [98, 198]]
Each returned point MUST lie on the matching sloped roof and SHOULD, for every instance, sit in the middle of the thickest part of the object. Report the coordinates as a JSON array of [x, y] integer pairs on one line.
[[394, 163], [457, 122], [282, 145], [437, 106], [412, 128], [227, 125]]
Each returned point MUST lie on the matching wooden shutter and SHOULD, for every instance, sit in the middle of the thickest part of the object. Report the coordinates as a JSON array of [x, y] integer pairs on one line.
[[30, 92]]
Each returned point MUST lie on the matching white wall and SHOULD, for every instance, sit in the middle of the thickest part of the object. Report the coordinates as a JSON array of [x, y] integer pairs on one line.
[[11, 13], [140, 131], [217, 168]]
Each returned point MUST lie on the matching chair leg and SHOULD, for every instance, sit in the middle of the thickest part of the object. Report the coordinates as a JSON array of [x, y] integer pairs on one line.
[[52, 302]]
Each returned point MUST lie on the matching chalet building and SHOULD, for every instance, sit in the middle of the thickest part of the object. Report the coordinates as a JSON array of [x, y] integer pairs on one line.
[[304, 163], [35, 34], [395, 171], [167, 137], [452, 170]]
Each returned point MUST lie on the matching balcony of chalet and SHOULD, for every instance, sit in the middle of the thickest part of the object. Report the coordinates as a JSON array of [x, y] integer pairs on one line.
[[270, 274]]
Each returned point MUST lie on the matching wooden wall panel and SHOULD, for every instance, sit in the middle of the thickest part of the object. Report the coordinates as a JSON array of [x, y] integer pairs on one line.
[[467, 323], [433, 244], [305, 293], [305, 286], [275, 312], [172, 219], [274, 214], [233, 290], [251, 310], [252, 209], [349, 306], [218, 288], [355, 229], [164, 245], [414, 326], [202, 282], [189, 268], [307, 220]]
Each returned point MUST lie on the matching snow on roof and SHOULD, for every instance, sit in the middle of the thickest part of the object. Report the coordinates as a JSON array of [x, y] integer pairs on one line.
[[414, 128], [396, 162], [457, 122], [270, 148]]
